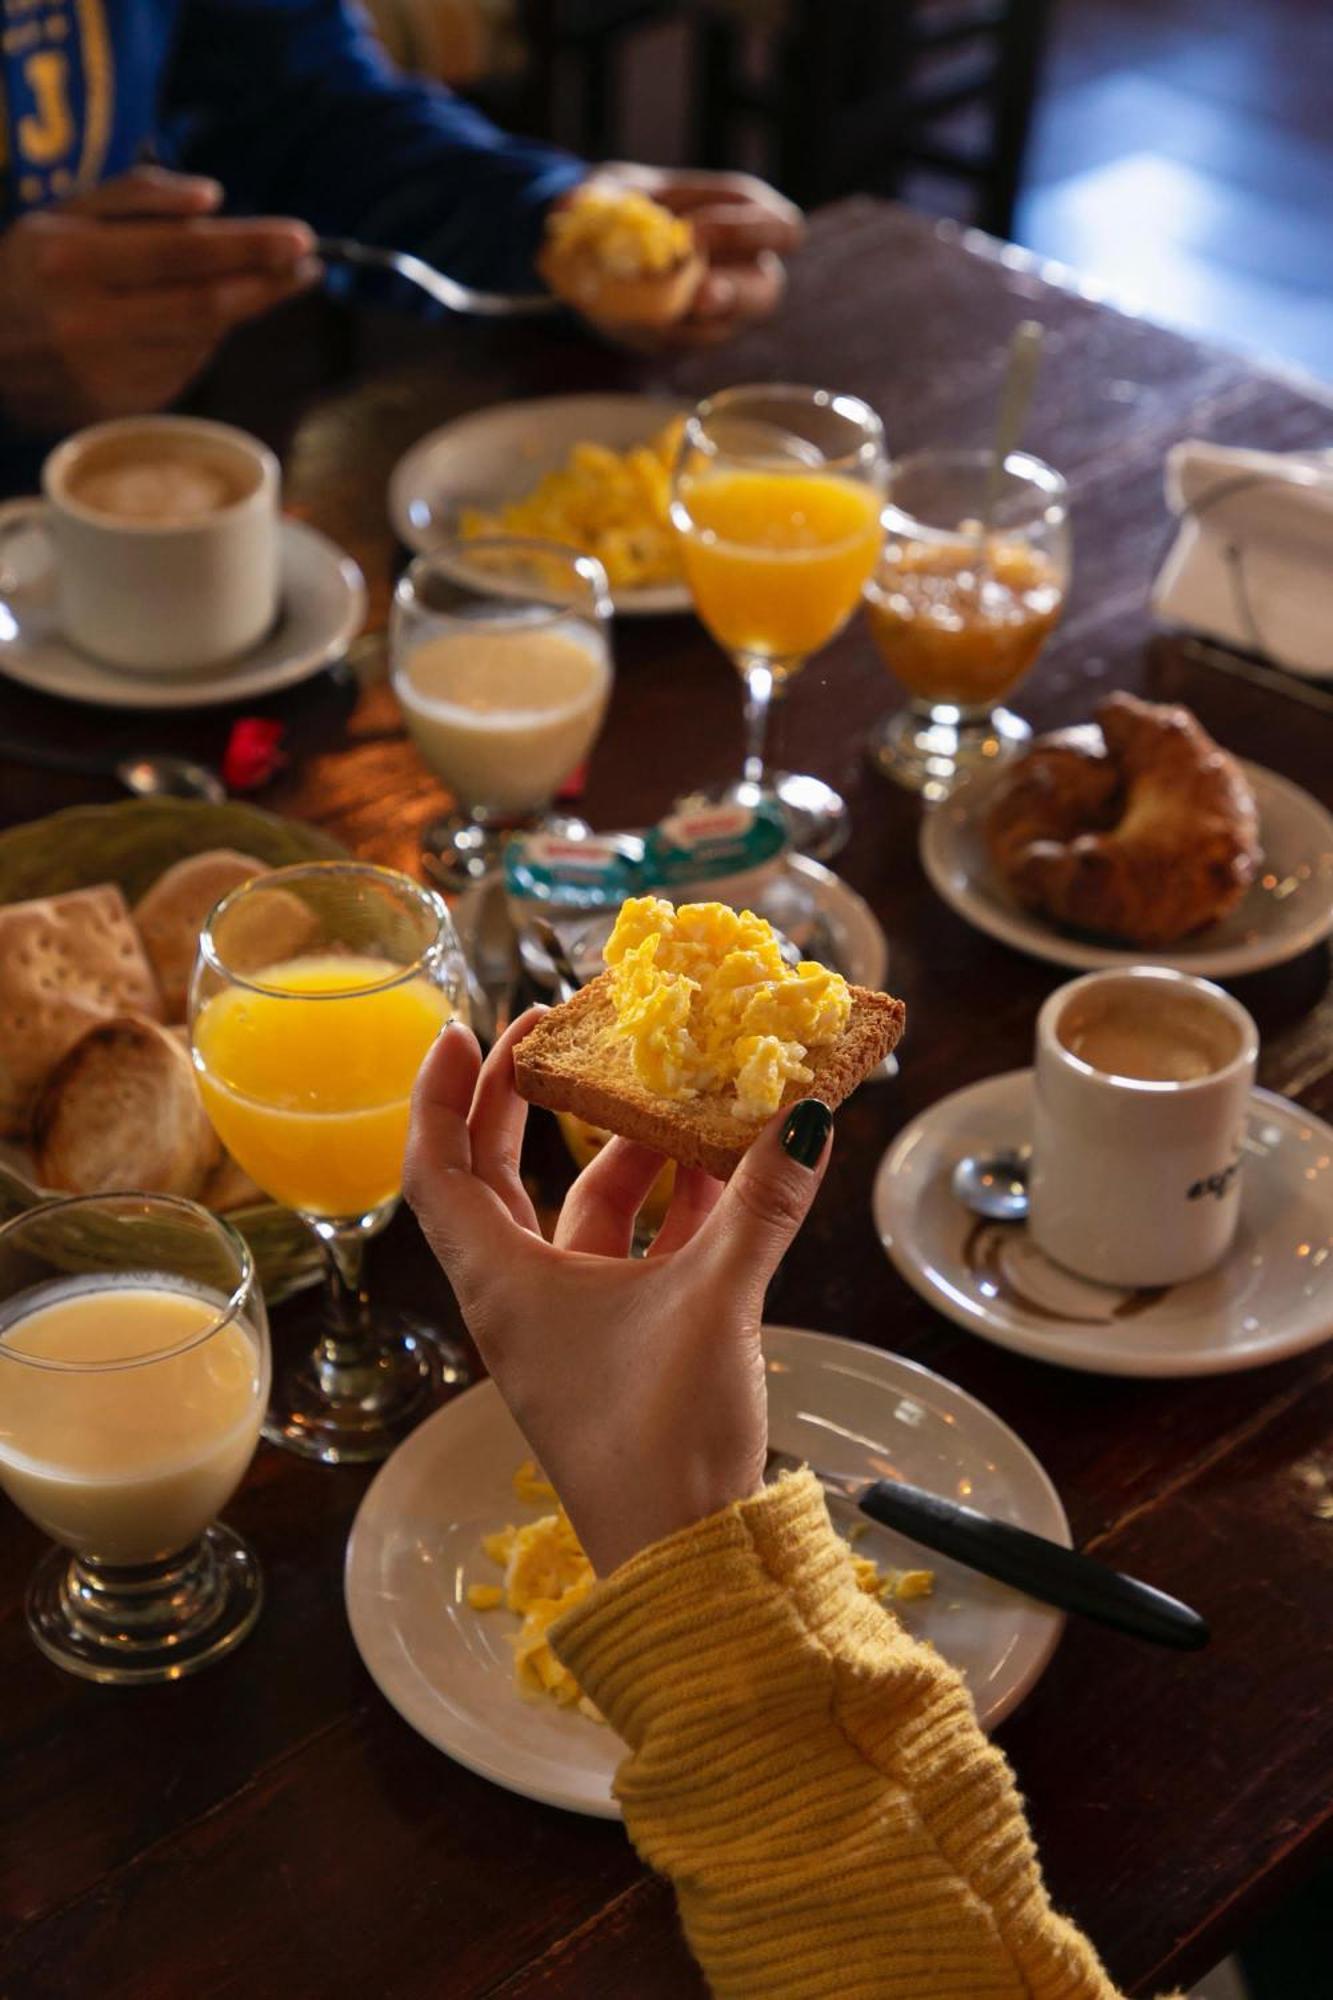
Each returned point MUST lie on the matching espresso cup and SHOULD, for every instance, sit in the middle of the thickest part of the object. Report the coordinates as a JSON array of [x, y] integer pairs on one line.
[[164, 541], [1142, 1084]]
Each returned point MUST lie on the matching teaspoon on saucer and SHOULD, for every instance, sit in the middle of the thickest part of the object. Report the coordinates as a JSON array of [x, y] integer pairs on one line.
[[994, 1185]]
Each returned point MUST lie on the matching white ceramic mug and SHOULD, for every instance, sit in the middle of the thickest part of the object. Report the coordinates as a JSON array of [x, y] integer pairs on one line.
[[1137, 1183], [158, 596]]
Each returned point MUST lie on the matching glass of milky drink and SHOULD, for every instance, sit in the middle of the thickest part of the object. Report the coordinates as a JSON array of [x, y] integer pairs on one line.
[[501, 660], [134, 1371], [959, 616]]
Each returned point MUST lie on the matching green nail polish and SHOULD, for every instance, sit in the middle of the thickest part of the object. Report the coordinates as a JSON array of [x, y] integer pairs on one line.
[[806, 1131]]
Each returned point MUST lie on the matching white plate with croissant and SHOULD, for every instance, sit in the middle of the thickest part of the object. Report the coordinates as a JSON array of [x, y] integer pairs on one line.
[[1136, 840], [100, 911]]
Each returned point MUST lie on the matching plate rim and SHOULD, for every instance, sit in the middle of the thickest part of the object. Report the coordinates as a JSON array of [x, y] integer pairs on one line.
[[1037, 1347], [145, 695], [649, 601], [1034, 938], [375, 1640]]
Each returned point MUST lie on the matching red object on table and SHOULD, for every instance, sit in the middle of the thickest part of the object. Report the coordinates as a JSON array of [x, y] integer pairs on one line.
[[254, 753]]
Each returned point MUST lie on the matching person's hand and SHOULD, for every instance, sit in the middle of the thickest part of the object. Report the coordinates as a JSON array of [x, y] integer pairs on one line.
[[115, 299], [744, 229], [639, 1383]]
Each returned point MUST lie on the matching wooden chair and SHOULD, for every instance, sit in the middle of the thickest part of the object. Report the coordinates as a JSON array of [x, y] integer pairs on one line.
[[854, 94]]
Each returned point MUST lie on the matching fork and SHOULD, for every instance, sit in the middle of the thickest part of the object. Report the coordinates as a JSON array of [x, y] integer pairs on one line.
[[445, 291], [1040, 1568]]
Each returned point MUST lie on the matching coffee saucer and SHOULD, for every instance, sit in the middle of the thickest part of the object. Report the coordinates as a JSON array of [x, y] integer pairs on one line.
[[1273, 1296], [323, 608]]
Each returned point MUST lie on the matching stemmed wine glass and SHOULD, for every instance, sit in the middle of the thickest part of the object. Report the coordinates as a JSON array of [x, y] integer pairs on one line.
[[960, 611], [317, 991], [776, 498], [134, 1371], [500, 657]]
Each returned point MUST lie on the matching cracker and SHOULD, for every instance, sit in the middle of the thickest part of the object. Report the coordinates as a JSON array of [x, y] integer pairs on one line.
[[66, 963]]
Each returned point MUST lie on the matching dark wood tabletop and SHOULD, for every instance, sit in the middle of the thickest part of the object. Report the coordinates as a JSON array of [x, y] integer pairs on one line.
[[273, 1827]]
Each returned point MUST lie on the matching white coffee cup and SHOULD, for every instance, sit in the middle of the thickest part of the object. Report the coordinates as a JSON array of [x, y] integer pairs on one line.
[[141, 583], [1136, 1179]]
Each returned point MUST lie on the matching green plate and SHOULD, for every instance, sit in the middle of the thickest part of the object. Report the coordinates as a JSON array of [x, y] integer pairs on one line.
[[132, 844]]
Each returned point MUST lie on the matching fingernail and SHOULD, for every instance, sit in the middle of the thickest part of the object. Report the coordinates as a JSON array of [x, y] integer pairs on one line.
[[805, 1134]]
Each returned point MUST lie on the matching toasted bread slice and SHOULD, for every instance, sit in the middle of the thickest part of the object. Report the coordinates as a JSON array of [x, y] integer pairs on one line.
[[170, 916], [121, 1110], [576, 1060], [66, 962]]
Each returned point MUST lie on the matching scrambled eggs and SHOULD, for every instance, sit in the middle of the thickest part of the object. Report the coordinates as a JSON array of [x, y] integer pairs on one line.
[[608, 504], [624, 233], [546, 1574], [707, 1003]]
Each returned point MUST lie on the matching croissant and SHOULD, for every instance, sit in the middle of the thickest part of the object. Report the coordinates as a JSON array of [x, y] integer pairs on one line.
[[1147, 839]]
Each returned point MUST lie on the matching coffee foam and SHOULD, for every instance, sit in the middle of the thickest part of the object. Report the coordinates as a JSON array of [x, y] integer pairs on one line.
[[151, 481], [1148, 1031]]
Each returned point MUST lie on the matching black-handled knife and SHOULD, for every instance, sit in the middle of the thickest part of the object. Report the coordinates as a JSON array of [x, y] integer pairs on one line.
[[1040, 1568]]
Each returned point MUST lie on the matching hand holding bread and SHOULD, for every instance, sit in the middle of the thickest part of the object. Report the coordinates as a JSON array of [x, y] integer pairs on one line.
[[639, 1382]]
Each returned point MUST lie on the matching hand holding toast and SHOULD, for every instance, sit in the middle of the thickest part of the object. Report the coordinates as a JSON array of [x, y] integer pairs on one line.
[[638, 1383]]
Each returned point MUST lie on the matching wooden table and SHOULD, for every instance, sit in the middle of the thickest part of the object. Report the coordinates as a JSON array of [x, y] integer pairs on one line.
[[273, 1827]]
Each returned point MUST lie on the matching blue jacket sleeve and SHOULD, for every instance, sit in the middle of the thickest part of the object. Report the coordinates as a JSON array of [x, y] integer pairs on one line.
[[293, 106]]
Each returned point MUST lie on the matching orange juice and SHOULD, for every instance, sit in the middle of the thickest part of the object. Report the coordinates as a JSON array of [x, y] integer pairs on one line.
[[776, 561], [309, 1086]]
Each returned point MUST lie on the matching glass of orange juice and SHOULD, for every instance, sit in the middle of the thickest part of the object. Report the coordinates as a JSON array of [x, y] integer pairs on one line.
[[134, 1370], [776, 501], [317, 991], [959, 616]]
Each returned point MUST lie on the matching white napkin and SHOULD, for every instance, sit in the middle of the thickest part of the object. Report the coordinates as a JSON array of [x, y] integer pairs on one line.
[[1252, 562]]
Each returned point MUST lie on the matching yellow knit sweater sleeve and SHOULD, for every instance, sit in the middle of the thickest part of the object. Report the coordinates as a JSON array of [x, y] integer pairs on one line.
[[811, 1778]]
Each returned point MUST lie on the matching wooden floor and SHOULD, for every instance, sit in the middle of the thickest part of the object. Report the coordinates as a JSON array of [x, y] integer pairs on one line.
[[1183, 154]]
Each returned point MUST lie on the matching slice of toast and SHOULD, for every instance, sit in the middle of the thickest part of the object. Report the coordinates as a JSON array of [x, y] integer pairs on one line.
[[121, 1109], [576, 1060]]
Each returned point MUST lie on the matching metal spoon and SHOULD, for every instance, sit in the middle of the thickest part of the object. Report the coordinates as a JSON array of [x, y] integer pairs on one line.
[[445, 291], [152, 776], [997, 1186], [1015, 395]]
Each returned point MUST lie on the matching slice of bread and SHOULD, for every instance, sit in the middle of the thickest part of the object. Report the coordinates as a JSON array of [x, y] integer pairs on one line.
[[121, 1110], [66, 962], [171, 914], [646, 298], [576, 1060]]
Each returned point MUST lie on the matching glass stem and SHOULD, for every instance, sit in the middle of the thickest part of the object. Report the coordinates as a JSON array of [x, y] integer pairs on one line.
[[345, 1360], [761, 689]]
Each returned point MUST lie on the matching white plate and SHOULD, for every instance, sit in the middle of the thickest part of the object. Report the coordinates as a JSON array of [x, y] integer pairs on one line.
[[856, 944], [1271, 1298], [1289, 909], [323, 609], [497, 455], [448, 1669]]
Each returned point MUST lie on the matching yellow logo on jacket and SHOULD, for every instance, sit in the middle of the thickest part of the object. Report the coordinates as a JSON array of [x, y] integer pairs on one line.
[[59, 72]]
